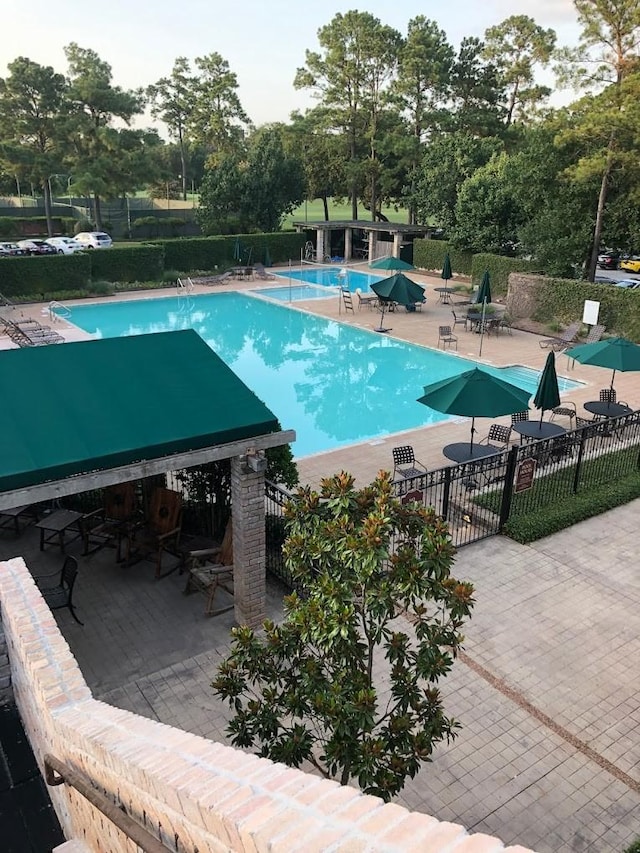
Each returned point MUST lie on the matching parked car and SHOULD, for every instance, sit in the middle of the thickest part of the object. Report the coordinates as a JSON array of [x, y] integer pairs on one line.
[[628, 283], [94, 239], [11, 250], [36, 247], [609, 260], [65, 245], [631, 264]]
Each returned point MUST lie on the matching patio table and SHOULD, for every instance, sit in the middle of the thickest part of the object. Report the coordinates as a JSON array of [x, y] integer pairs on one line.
[[56, 526], [536, 430], [463, 451], [444, 294], [603, 409]]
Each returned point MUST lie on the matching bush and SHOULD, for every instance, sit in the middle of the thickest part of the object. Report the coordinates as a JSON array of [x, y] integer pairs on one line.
[[128, 263], [429, 255], [211, 253], [499, 268], [35, 276], [564, 513]]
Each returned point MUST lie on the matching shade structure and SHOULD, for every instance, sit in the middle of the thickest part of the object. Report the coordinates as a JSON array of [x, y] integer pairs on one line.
[[484, 291], [390, 263], [397, 288], [475, 394], [446, 273], [547, 395], [616, 353]]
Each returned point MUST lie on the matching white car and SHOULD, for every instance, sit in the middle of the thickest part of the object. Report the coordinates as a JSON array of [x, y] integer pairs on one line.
[[94, 239], [65, 245]]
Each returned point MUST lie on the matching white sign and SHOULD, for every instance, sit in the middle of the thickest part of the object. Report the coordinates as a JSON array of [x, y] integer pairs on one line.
[[590, 313]]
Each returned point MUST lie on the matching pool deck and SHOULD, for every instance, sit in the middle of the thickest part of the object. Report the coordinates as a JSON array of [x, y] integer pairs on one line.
[[546, 689]]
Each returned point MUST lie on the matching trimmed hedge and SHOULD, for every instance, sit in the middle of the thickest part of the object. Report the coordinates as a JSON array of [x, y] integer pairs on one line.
[[127, 263], [18, 227], [429, 255], [560, 299], [564, 513], [211, 253], [499, 267], [37, 276]]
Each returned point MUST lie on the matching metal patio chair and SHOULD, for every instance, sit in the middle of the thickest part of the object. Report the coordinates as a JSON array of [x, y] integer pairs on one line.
[[61, 595], [405, 463]]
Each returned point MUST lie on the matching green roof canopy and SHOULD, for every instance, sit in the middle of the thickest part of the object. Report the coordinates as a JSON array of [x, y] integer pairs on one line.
[[81, 407]]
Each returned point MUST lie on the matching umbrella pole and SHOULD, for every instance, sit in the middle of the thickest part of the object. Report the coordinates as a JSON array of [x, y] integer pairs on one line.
[[484, 306], [473, 429], [613, 376], [381, 329]]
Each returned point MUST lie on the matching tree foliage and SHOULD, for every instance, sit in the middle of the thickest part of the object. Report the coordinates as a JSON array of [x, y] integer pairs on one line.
[[348, 681]]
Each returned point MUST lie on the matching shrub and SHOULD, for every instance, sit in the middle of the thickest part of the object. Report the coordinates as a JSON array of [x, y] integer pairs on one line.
[[499, 268], [429, 255], [35, 276], [564, 513], [128, 263], [210, 253]]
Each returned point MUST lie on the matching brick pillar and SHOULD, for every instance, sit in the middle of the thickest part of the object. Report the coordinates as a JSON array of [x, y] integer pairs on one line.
[[348, 252], [373, 245], [249, 551], [320, 245], [397, 243]]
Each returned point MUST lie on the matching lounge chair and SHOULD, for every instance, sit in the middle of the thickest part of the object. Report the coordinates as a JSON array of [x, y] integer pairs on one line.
[[260, 272], [595, 333], [564, 340], [218, 279], [405, 463]]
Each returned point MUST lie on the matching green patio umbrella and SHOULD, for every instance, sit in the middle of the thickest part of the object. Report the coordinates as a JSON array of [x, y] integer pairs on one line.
[[390, 263], [484, 291], [267, 257], [616, 353], [446, 273], [547, 394], [475, 394], [397, 288]]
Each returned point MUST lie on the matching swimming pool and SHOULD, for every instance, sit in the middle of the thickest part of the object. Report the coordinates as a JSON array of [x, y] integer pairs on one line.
[[296, 292], [334, 384], [332, 277]]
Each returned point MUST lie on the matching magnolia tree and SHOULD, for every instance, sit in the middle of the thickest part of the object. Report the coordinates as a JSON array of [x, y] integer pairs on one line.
[[348, 681]]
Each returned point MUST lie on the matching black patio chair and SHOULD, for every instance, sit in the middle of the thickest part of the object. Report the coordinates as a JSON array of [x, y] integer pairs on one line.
[[459, 321], [405, 463], [499, 435], [445, 337], [61, 595]]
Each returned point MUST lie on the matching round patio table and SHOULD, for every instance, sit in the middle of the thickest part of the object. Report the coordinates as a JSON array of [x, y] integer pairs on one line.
[[463, 451], [603, 409], [444, 294], [536, 430]]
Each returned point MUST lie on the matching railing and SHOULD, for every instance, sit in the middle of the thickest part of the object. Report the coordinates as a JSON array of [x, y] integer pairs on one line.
[[57, 773], [57, 310]]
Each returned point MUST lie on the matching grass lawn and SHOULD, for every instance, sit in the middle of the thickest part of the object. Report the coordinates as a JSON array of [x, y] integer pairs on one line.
[[313, 211]]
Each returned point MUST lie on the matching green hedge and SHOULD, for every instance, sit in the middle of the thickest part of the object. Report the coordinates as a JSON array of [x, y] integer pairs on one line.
[[211, 253], [429, 255], [127, 263], [564, 513], [560, 299], [499, 268], [17, 227], [38, 276]]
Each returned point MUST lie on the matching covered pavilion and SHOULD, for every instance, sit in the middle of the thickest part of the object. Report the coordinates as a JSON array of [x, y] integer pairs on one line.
[[399, 233], [91, 414]]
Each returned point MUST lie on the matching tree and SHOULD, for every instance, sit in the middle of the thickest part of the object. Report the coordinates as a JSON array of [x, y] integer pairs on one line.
[[606, 57], [32, 108], [320, 153], [516, 46], [345, 683], [220, 208], [476, 92], [172, 101], [96, 103], [350, 77]]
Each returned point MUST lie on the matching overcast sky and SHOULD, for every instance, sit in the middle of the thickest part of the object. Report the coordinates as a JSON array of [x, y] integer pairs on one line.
[[264, 41]]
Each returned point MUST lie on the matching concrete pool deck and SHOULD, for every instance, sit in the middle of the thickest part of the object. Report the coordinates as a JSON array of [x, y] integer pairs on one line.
[[546, 690]]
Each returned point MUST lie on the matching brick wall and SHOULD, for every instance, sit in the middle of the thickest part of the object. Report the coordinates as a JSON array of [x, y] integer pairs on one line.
[[188, 791]]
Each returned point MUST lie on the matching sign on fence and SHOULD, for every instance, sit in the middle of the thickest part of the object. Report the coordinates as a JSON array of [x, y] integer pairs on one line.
[[525, 472]]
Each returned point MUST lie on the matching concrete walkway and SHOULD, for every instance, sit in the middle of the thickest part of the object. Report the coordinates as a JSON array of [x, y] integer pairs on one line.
[[546, 690]]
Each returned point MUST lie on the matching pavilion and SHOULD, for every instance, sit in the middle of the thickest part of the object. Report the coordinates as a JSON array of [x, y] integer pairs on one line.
[[397, 233]]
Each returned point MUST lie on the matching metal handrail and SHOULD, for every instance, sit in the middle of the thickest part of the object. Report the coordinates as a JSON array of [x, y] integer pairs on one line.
[[146, 842]]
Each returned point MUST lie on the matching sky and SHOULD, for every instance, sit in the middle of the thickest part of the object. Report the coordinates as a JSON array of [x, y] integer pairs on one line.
[[264, 41]]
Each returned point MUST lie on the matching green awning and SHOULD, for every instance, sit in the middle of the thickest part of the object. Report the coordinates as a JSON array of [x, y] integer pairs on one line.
[[75, 408]]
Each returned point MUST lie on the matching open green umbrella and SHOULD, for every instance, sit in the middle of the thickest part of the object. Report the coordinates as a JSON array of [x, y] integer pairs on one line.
[[446, 273], [475, 394], [390, 263], [616, 353], [397, 288], [547, 394], [484, 291]]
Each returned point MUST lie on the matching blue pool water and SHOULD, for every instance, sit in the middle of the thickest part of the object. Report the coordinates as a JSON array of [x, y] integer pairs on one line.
[[332, 277], [296, 292], [332, 383]]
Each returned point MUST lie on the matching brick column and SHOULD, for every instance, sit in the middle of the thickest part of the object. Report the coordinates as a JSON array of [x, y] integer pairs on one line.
[[249, 551], [320, 245], [397, 243], [373, 244], [348, 252]]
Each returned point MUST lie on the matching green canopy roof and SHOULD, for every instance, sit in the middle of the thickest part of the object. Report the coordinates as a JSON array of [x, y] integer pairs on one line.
[[80, 407]]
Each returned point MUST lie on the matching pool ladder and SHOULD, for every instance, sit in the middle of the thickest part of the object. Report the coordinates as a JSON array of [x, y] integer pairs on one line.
[[184, 286], [57, 311]]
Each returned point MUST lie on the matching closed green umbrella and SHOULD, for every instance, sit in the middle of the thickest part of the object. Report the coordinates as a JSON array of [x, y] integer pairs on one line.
[[390, 264], [547, 394], [616, 353], [475, 394], [397, 288], [446, 273], [267, 257], [484, 292], [237, 250]]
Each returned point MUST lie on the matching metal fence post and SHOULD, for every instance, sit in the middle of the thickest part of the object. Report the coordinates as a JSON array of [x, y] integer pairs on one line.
[[446, 491], [576, 476], [507, 492]]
